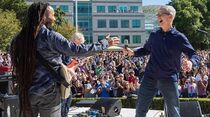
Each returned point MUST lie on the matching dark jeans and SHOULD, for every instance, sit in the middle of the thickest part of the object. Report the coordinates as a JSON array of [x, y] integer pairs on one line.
[[192, 95], [148, 90], [48, 105]]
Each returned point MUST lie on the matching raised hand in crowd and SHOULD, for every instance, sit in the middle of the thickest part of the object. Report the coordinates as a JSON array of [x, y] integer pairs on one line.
[[113, 41], [186, 65]]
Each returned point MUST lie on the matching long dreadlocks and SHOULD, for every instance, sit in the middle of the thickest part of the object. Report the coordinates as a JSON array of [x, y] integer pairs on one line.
[[23, 53]]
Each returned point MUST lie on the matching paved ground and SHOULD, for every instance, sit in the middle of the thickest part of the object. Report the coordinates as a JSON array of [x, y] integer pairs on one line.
[[125, 112]]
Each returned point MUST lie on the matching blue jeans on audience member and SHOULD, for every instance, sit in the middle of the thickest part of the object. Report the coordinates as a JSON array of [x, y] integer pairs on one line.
[[65, 105], [148, 89], [192, 95]]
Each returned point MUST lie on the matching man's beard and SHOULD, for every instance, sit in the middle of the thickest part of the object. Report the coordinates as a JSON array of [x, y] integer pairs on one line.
[[49, 24]]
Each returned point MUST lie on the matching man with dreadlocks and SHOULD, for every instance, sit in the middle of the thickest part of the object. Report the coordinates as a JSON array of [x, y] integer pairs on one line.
[[38, 91]]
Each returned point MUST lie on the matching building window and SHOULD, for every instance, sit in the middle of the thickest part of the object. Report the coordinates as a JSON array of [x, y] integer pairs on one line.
[[64, 8], [113, 24], [136, 23], [112, 9], [100, 9], [54, 7], [83, 25], [124, 38], [123, 8], [100, 37], [84, 9], [125, 24], [134, 9], [136, 39], [88, 38], [101, 23]]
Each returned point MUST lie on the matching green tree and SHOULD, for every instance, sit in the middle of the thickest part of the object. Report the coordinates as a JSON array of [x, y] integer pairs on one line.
[[59, 16], [9, 26], [62, 25], [18, 6], [207, 16], [66, 29], [206, 23], [203, 6], [189, 19]]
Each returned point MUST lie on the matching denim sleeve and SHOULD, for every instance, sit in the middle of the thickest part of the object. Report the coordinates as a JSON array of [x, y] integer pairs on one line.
[[68, 48], [66, 60], [188, 50]]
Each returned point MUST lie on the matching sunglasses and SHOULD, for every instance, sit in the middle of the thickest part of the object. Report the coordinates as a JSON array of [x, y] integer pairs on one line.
[[162, 14]]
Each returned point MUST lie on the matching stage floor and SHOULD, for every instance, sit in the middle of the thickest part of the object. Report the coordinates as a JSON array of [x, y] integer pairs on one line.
[[125, 112]]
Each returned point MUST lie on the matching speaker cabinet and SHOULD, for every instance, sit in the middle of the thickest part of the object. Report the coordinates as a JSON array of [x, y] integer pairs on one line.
[[109, 107], [5, 85], [190, 109], [85, 103], [9, 106]]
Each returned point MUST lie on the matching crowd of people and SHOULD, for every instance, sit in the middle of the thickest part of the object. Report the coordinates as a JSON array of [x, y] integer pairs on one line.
[[5, 59], [108, 74], [111, 74], [197, 82], [5, 63]]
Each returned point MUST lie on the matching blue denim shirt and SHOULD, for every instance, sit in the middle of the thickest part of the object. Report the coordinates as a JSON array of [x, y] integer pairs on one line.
[[165, 49], [52, 46]]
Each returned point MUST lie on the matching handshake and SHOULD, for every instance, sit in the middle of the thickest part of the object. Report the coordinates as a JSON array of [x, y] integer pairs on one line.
[[115, 40], [78, 39]]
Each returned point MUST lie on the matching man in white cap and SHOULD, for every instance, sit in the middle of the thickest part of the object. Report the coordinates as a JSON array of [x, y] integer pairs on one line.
[[165, 47]]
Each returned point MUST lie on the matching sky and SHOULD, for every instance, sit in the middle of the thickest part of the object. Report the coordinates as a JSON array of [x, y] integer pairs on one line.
[[155, 2]]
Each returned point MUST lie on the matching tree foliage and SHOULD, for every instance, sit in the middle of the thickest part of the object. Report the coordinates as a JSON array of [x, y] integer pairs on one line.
[[191, 17], [59, 16], [9, 26], [62, 25], [12, 16], [66, 29], [18, 6], [207, 16]]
